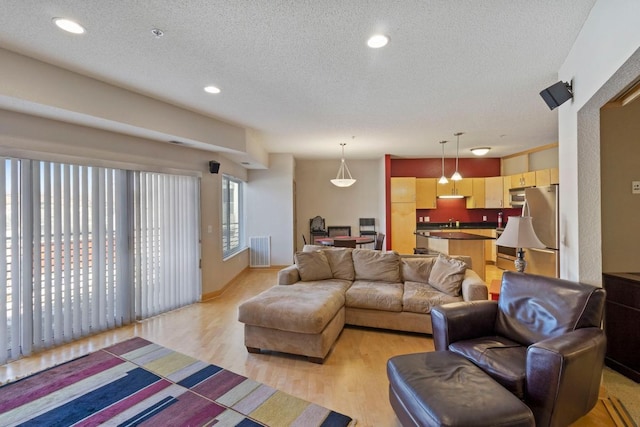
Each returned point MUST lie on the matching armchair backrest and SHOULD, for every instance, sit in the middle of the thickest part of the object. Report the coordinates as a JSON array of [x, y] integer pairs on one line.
[[532, 308]]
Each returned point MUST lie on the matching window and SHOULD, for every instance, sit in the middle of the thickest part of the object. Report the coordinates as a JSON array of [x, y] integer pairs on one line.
[[232, 215], [91, 248]]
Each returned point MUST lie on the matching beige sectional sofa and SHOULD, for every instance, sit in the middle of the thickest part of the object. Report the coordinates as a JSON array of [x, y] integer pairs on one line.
[[328, 288]]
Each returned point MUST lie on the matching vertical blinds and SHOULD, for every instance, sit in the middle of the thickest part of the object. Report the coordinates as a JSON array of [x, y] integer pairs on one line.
[[166, 254], [87, 249]]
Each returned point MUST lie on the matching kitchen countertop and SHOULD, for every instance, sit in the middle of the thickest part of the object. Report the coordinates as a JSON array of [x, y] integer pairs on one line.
[[463, 225], [452, 235]]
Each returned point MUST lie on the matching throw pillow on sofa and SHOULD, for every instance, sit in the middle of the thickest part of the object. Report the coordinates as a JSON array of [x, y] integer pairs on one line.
[[417, 269], [341, 263], [447, 275], [313, 266], [376, 266]]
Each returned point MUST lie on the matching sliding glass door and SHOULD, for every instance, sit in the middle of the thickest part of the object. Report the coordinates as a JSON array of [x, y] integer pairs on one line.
[[91, 248]]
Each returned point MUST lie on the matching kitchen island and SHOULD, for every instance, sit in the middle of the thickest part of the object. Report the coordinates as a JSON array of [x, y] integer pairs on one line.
[[457, 243]]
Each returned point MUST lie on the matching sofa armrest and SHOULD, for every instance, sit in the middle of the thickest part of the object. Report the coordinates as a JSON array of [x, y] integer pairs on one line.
[[288, 275], [462, 321], [563, 375], [473, 287]]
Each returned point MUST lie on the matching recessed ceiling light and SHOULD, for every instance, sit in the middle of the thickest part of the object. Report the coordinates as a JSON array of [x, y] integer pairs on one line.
[[377, 41], [69, 25], [480, 151], [212, 89]]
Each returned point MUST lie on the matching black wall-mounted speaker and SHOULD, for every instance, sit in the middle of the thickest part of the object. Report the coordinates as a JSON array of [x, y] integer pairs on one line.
[[557, 94], [214, 167]]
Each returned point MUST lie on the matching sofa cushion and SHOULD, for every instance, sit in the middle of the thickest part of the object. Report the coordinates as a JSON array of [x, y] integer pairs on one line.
[[313, 266], [304, 307], [447, 275], [375, 295], [504, 360], [341, 263], [416, 269], [376, 265], [421, 297]]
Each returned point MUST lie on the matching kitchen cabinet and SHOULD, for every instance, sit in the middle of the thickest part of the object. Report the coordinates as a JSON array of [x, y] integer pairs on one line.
[[506, 186], [403, 227], [426, 193], [489, 245], [494, 192], [403, 214], [547, 177], [525, 179], [477, 198], [464, 188], [543, 178], [403, 190]]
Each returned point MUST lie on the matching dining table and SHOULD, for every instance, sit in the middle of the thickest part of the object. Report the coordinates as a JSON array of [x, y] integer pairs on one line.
[[360, 240]]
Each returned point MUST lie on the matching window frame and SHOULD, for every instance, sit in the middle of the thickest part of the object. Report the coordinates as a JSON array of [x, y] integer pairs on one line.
[[226, 233]]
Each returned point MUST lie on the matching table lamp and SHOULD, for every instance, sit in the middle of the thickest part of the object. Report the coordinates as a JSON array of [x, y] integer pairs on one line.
[[519, 234]]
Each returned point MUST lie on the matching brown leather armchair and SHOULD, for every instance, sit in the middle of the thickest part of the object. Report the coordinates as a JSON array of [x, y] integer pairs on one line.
[[541, 340]]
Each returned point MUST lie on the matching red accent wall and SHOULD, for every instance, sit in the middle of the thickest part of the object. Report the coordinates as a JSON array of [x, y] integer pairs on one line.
[[432, 168], [387, 196]]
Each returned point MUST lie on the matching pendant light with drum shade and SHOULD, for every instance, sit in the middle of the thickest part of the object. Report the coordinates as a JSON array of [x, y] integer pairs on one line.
[[341, 180], [443, 179], [456, 175]]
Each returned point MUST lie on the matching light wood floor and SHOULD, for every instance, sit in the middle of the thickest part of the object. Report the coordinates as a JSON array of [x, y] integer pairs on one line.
[[352, 380]]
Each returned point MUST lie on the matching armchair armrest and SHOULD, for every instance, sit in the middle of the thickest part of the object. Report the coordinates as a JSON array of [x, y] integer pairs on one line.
[[288, 275], [563, 375], [473, 287], [461, 321]]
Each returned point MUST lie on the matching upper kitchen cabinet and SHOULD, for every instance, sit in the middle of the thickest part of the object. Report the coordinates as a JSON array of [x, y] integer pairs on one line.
[[506, 186], [478, 193], [543, 178], [525, 179], [494, 192], [426, 193], [403, 190], [547, 177], [464, 188]]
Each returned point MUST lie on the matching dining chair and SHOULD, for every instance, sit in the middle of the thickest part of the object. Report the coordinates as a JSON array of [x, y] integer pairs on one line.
[[344, 243], [379, 241], [368, 227], [339, 230]]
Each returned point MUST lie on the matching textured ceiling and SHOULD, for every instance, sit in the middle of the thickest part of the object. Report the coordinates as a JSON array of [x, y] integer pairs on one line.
[[299, 72]]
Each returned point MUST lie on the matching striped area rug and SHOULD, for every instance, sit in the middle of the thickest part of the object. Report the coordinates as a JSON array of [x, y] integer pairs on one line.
[[137, 382]]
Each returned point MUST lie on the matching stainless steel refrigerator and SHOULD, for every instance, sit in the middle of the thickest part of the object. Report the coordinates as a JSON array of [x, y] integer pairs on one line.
[[542, 205]]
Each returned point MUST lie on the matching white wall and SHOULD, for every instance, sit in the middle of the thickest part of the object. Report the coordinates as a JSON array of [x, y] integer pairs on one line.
[[270, 206], [608, 39], [315, 195]]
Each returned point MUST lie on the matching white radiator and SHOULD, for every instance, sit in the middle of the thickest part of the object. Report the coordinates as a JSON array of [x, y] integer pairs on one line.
[[260, 251]]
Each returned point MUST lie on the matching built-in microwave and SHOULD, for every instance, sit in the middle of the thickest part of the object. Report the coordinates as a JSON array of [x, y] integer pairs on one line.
[[516, 197]]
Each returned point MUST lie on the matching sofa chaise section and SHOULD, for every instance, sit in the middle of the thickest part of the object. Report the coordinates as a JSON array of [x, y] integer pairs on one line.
[[326, 289]]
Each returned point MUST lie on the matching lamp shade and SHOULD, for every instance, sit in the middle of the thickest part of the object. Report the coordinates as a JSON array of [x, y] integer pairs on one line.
[[519, 234], [341, 179]]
